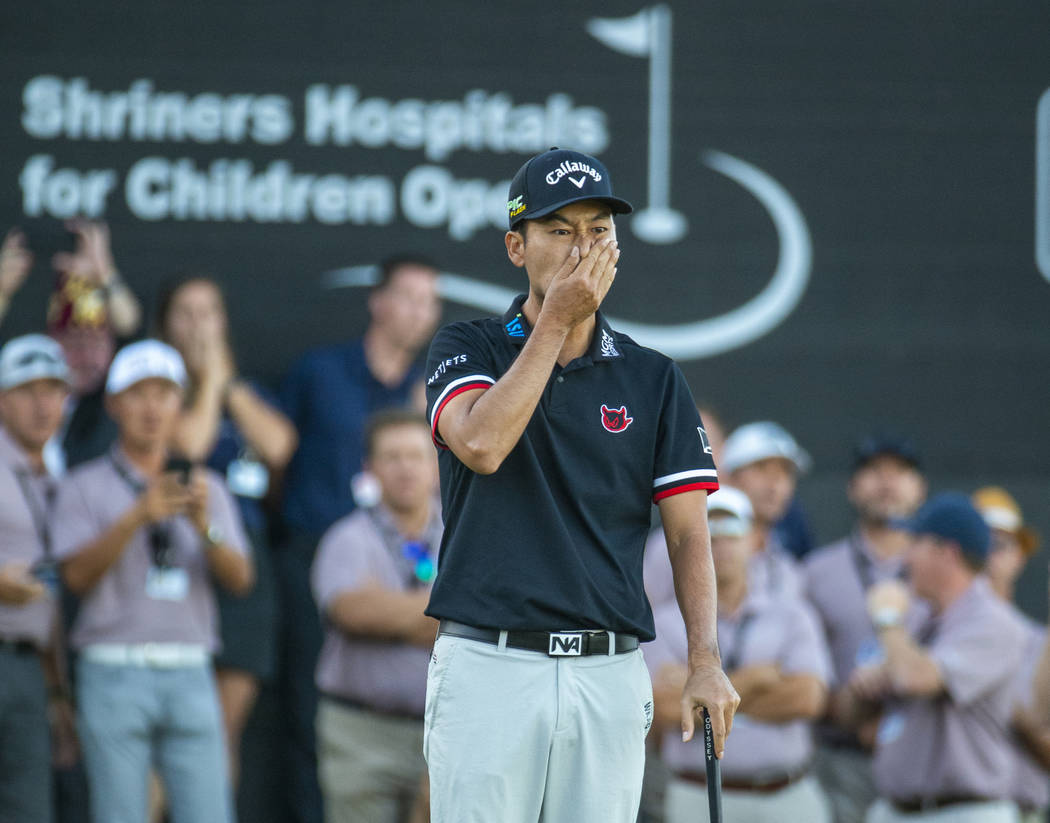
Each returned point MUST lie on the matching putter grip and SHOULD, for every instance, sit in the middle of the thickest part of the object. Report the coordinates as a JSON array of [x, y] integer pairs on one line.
[[714, 774]]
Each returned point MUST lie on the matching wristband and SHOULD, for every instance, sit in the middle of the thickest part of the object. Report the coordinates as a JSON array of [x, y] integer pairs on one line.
[[886, 619]]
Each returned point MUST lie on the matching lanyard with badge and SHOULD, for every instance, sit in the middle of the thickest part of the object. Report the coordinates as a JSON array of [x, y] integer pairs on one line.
[[412, 553], [870, 650], [247, 476], [164, 580], [46, 569], [863, 565]]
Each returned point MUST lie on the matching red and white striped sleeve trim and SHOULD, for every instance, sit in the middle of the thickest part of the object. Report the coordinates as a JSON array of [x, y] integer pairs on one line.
[[458, 386], [686, 481]]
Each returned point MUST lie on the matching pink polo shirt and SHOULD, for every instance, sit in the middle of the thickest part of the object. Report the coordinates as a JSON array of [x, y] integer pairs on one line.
[[780, 630], [20, 540], [361, 549], [120, 608], [957, 743]]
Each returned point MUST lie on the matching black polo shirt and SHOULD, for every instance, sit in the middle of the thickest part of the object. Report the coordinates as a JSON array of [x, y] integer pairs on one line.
[[553, 539]]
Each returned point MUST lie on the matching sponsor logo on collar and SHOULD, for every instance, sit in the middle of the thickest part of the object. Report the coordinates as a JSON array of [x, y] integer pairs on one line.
[[514, 327], [608, 345], [566, 169]]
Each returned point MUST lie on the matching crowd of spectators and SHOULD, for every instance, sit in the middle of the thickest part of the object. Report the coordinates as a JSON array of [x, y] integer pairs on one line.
[[177, 540]]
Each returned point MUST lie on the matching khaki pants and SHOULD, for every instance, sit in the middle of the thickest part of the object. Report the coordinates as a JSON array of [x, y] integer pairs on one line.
[[845, 775], [369, 764], [801, 802], [991, 812], [519, 737]]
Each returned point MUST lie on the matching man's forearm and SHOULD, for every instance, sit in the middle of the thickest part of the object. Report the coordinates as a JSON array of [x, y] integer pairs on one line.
[[84, 569], [1041, 685], [234, 571], [912, 672], [384, 614], [125, 311], [793, 697], [694, 584], [485, 433]]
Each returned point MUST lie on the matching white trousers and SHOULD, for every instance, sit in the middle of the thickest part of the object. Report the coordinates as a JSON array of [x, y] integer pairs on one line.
[[991, 812], [516, 736], [801, 802]]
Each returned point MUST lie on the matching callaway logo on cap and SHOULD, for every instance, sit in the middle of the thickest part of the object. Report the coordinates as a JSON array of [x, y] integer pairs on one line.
[[556, 178]]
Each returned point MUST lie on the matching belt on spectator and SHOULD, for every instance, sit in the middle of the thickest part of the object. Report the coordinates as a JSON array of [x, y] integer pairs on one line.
[[18, 646], [555, 644], [930, 804], [755, 786], [357, 705], [147, 655]]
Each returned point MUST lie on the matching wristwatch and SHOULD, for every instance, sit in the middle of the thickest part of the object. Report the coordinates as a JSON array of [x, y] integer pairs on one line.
[[886, 619], [213, 536]]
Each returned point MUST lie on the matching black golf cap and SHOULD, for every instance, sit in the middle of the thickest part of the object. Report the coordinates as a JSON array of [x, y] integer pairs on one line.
[[556, 178], [889, 444]]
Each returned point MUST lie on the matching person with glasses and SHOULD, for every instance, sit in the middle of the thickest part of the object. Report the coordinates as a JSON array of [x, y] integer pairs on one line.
[[371, 579], [143, 538]]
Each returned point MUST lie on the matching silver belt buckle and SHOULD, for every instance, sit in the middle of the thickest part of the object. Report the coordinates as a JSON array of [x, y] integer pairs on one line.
[[565, 644]]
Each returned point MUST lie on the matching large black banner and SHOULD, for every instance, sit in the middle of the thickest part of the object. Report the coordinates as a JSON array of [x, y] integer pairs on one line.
[[844, 208]]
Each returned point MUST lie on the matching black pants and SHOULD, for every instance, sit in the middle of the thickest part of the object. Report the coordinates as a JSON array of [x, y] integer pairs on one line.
[[301, 636]]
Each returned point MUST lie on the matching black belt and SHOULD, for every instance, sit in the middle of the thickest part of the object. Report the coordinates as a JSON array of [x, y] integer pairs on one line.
[[555, 644], [18, 646], [931, 804], [756, 786]]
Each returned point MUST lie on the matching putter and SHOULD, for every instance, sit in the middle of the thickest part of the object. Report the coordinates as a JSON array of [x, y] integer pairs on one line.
[[714, 772]]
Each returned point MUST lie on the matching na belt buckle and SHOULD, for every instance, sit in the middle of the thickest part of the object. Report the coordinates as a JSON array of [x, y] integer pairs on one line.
[[565, 644]]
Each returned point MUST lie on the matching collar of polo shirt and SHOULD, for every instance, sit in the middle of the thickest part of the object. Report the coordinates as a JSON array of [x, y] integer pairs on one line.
[[603, 344]]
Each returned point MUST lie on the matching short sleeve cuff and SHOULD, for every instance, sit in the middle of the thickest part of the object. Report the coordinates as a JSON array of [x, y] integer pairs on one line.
[[456, 387], [686, 481]]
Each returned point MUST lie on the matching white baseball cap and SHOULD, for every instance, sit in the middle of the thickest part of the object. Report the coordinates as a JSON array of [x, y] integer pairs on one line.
[[759, 441], [31, 357], [143, 360], [736, 504]]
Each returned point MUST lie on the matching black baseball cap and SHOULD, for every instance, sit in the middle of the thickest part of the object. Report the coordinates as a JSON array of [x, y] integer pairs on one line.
[[886, 443], [556, 178], [952, 516]]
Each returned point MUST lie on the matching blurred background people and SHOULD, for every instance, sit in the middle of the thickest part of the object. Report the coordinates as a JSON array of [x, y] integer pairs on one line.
[[141, 539], [231, 425], [16, 261], [886, 484], [34, 384], [90, 311], [1013, 543], [943, 750], [329, 395], [774, 653], [764, 461], [372, 579]]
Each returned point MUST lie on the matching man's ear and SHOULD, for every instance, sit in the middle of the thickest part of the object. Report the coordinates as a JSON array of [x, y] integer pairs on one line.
[[515, 242]]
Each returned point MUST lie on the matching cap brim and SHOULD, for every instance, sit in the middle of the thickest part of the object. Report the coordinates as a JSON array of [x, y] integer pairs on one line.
[[617, 205], [121, 385], [904, 524], [16, 380], [1029, 539]]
